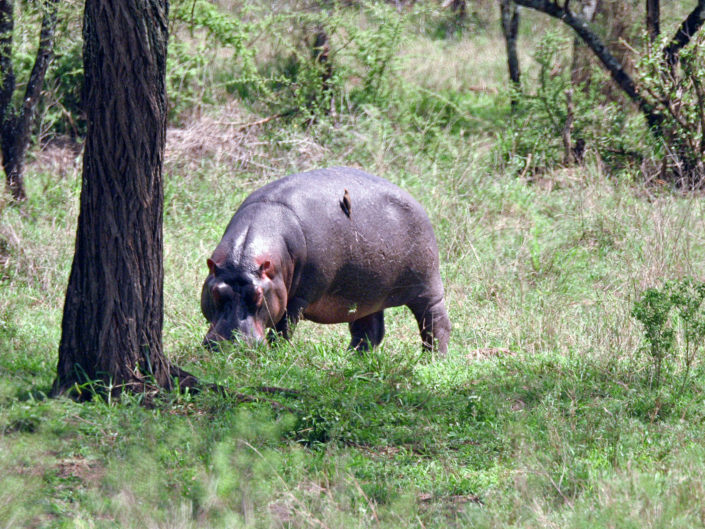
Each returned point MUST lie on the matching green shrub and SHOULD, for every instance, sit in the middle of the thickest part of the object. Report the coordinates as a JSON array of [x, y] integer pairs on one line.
[[211, 54], [677, 92], [533, 141], [673, 318], [62, 113]]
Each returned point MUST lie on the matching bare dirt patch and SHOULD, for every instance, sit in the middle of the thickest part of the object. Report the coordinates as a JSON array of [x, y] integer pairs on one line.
[[77, 467]]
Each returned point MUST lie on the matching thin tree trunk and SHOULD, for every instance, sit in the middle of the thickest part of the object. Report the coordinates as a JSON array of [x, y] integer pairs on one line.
[[15, 123], [7, 74], [579, 68], [459, 7], [459, 10], [510, 29], [653, 19], [112, 322], [7, 114], [321, 56], [567, 132]]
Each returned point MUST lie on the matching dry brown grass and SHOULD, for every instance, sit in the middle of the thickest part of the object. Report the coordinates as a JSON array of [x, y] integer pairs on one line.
[[62, 158], [235, 139]]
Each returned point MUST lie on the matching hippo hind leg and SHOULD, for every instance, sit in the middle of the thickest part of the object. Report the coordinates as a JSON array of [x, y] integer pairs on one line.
[[367, 332], [434, 324]]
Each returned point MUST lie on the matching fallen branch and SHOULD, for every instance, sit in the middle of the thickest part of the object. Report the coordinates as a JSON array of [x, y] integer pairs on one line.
[[243, 126], [273, 390]]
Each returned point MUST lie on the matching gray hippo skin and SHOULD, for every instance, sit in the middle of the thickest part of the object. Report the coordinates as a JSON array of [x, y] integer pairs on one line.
[[332, 246]]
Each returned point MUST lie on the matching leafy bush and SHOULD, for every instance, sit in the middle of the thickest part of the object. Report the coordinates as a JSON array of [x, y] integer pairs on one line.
[[672, 316], [677, 91], [533, 143], [211, 54], [62, 113], [215, 53]]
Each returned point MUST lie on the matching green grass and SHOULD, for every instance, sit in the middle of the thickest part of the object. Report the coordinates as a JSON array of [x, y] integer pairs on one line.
[[541, 415]]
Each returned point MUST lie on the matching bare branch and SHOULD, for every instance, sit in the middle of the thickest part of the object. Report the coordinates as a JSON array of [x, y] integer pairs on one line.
[[685, 32], [619, 75]]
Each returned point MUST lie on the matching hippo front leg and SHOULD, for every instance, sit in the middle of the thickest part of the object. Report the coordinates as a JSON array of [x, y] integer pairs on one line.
[[434, 324], [280, 330], [286, 325], [367, 332]]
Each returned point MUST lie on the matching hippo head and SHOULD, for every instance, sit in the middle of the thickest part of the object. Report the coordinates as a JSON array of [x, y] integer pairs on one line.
[[242, 303]]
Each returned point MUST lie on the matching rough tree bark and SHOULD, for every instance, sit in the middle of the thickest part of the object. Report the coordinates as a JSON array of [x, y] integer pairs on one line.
[[112, 321], [510, 28], [15, 122]]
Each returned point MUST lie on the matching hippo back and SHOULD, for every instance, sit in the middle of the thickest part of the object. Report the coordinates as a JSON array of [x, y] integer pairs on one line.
[[368, 243]]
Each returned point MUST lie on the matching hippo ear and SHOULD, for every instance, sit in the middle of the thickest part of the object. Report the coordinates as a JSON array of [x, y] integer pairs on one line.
[[266, 269], [211, 266]]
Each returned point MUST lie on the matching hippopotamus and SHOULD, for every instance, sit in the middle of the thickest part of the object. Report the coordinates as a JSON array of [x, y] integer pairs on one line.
[[333, 245]]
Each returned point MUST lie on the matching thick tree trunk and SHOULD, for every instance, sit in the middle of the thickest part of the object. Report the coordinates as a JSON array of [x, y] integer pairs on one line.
[[15, 123], [510, 29], [112, 323]]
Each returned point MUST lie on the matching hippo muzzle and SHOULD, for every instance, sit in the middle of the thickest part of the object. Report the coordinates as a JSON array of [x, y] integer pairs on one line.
[[236, 326]]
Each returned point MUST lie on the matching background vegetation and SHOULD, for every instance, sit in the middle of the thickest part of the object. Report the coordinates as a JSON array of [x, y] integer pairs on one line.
[[572, 394]]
